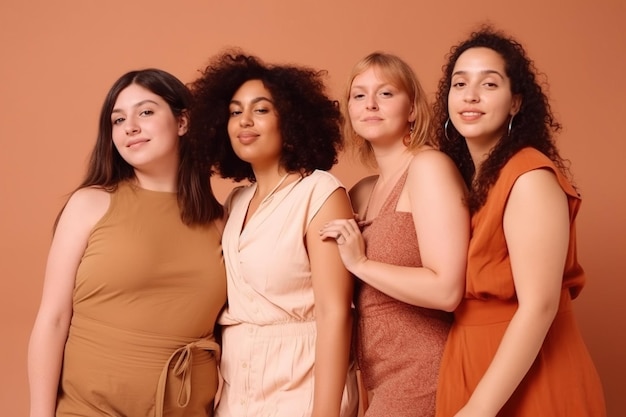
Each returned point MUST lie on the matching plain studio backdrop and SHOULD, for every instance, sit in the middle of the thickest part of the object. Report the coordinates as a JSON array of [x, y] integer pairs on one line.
[[59, 58]]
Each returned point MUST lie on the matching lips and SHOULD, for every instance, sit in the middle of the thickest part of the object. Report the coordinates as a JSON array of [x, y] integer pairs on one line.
[[136, 142], [469, 115], [247, 137]]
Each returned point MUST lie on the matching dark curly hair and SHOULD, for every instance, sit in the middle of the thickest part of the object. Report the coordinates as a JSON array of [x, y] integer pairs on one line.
[[309, 122], [533, 126]]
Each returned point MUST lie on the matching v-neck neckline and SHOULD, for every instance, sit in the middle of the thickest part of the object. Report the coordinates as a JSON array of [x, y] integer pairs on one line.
[[245, 225]]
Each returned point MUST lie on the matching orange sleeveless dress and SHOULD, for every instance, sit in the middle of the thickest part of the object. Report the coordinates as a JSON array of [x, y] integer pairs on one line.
[[399, 346], [147, 294], [563, 381]]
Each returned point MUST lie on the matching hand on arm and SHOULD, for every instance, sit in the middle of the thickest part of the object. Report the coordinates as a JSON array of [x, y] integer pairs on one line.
[[47, 341], [332, 287], [536, 226], [436, 198]]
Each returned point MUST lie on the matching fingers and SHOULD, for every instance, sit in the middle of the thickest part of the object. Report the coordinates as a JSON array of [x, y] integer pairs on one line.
[[340, 230]]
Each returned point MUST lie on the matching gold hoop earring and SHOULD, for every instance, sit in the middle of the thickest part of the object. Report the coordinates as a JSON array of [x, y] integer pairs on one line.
[[358, 140]]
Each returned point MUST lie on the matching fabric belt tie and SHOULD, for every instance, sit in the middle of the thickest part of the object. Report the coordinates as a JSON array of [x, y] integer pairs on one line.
[[182, 371]]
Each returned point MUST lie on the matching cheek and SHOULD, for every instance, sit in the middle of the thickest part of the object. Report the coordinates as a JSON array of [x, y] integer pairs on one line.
[[117, 136], [230, 128], [353, 109], [451, 100]]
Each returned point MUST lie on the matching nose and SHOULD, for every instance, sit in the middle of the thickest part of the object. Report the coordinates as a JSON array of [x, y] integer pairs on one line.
[[131, 126], [470, 95], [245, 120], [371, 103]]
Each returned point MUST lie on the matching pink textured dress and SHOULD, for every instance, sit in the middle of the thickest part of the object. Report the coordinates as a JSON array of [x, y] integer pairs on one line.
[[399, 346]]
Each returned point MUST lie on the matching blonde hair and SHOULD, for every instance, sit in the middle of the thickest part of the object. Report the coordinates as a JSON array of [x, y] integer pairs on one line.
[[399, 74]]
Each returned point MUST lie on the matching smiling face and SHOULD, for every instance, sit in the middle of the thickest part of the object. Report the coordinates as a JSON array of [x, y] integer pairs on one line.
[[144, 129], [480, 101], [379, 111], [253, 126]]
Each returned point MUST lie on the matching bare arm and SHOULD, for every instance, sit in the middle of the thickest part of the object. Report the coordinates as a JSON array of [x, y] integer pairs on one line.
[[332, 286], [436, 197], [47, 340], [536, 226]]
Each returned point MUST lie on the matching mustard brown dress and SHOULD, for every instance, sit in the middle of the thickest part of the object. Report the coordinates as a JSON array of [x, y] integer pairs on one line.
[[269, 331], [399, 346], [562, 382], [147, 294]]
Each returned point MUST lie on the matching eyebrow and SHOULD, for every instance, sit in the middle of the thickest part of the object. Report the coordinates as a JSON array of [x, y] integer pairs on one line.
[[483, 72], [378, 86], [141, 103], [253, 101]]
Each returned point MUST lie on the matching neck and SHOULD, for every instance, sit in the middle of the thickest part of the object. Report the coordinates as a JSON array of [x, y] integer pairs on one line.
[[392, 159], [157, 181], [479, 151], [267, 179]]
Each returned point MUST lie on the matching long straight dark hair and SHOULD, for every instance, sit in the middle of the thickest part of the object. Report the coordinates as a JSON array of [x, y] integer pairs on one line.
[[107, 169]]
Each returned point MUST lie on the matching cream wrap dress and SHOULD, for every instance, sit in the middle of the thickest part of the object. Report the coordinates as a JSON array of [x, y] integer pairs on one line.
[[269, 325]]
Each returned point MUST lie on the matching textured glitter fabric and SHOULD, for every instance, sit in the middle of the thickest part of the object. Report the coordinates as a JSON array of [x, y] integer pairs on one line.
[[399, 346]]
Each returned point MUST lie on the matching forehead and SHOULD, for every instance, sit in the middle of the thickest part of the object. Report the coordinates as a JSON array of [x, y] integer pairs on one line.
[[480, 59], [252, 88], [135, 93], [373, 74]]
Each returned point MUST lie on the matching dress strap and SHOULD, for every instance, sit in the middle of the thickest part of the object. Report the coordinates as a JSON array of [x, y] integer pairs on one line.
[[394, 195], [182, 371]]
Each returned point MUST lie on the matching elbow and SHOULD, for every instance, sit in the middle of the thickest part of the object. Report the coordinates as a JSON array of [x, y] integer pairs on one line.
[[451, 291], [452, 296], [452, 301]]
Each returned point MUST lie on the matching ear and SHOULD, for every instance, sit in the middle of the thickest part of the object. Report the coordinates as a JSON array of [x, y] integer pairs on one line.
[[516, 104], [183, 123], [412, 114]]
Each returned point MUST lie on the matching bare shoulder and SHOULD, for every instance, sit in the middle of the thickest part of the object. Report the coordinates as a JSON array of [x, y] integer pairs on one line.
[[537, 183], [360, 192], [432, 165], [430, 157], [89, 198], [86, 206]]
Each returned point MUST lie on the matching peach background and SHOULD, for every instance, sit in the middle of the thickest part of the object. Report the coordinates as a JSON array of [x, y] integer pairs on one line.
[[60, 57]]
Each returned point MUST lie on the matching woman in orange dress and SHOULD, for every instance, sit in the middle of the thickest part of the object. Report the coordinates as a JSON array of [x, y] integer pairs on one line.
[[514, 348]]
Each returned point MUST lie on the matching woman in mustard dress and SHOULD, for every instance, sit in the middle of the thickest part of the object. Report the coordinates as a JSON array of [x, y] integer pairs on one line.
[[135, 277]]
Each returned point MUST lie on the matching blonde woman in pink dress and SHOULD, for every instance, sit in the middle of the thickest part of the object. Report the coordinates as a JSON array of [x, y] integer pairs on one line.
[[287, 327], [409, 251]]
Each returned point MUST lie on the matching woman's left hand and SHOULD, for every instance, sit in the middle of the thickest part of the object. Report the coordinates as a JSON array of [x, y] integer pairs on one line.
[[349, 240]]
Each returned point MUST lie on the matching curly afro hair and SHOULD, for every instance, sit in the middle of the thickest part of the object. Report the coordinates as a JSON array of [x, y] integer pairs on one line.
[[533, 126], [309, 122]]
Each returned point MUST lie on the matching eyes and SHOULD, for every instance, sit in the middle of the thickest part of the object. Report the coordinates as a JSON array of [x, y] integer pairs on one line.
[[236, 111], [362, 95], [458, 83], [461, 84], [117, 119]]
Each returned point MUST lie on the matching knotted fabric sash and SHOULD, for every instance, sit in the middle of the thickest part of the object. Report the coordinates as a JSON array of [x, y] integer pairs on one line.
[[182, 372]]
